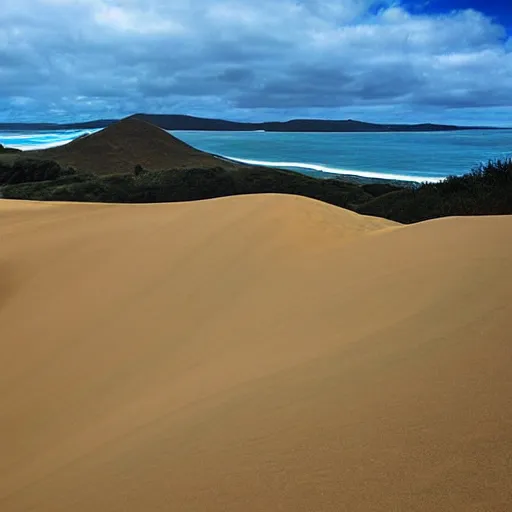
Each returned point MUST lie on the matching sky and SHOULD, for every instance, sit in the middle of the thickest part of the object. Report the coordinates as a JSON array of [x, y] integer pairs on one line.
[[441, 61]]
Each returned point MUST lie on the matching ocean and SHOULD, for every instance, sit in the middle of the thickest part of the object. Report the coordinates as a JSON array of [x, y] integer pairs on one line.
[[427, 156]]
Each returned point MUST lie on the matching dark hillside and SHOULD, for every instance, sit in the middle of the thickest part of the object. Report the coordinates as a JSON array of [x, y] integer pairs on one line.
[[122, 145]]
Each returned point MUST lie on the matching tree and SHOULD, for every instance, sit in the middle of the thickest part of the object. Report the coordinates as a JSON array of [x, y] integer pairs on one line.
[[138, 170]]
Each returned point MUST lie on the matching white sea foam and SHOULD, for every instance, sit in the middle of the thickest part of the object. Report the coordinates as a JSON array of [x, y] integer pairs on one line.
[[16, 137], [335, 170], [40, 140], [39, 145]]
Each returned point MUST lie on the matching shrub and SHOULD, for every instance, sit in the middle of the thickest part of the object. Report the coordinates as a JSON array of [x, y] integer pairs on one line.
[[486, 190]]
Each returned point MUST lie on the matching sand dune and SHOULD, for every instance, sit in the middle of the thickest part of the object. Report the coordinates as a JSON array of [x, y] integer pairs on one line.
[[257, 353]]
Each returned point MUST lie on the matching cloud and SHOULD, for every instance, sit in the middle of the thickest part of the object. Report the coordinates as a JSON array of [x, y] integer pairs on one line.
[[135, 20], [249, 59]]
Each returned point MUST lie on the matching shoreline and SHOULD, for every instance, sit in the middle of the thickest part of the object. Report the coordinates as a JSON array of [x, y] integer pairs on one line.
[[350, 176], [307, 170]]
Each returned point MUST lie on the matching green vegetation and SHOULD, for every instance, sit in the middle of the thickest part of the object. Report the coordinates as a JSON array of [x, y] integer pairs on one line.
[[487, 190], [484, 191], [23, 171], [169, 186]]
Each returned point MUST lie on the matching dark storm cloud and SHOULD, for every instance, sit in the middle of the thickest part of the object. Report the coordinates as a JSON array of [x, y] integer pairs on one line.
[[304, 86], [236, 75], [83, 58]]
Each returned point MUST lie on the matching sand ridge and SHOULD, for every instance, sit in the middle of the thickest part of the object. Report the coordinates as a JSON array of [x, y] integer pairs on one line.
[[252, 353]]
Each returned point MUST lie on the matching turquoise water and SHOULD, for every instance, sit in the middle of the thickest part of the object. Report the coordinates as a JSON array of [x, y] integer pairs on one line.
[[411, 156]]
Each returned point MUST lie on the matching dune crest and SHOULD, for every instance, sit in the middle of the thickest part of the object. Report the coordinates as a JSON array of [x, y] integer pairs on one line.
[[252, 353]]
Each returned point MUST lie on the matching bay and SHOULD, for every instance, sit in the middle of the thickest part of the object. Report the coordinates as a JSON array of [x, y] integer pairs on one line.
[[426, 156]]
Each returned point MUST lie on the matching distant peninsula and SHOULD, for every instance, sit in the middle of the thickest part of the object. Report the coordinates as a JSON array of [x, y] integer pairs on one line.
[[184, 122]]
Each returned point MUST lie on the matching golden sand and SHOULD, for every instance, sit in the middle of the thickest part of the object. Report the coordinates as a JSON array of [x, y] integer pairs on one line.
[[259, 353]]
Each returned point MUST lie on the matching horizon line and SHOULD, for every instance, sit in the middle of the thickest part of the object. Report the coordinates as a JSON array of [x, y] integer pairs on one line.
[[256, 123]]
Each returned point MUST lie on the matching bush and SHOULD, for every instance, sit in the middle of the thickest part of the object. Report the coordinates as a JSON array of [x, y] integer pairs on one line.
[[183, 185], [138, 170], [27, 171], [486, 190]]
